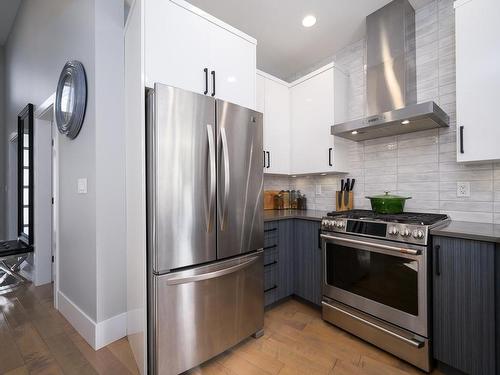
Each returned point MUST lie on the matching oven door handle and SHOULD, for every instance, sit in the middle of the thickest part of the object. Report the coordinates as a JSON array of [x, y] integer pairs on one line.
[[372, 244], [416, 343]]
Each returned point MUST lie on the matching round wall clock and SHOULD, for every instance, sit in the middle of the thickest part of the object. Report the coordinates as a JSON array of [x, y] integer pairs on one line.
[[71, 99]]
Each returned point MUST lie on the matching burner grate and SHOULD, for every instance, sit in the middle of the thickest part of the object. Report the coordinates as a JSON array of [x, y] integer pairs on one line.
[[404, 218]]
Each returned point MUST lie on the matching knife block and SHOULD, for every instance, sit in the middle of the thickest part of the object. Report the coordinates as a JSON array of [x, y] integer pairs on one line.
[[343, 206]]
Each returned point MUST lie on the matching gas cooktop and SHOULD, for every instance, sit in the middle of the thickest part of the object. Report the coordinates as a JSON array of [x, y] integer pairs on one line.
[[408, 227], [404, 218]]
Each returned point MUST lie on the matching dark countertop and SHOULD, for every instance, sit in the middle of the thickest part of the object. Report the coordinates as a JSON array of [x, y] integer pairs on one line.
[[272, 215], [469, 231]]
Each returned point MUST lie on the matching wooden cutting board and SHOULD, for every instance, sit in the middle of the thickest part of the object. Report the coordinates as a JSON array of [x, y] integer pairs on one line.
[[269, 199]]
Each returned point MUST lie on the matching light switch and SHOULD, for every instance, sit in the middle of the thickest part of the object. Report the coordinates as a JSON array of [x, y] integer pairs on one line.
[[82, 186]]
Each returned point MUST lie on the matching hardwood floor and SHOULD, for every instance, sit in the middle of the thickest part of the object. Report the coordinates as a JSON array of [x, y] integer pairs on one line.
[[36, 339], [297, 341]]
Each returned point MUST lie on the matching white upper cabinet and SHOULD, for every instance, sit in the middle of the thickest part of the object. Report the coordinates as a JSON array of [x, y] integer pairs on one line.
[[317, 102], [478, 79], [187, 48], [233, 61], [274, 100]]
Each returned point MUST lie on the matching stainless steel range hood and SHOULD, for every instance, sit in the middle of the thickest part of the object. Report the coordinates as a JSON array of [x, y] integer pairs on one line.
[[391, 88]]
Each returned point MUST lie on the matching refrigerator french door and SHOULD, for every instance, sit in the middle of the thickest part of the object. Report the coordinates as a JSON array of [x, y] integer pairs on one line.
[[205, 227]]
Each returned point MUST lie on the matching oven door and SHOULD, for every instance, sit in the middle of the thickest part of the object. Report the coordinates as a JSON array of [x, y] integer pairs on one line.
[[381, 278]]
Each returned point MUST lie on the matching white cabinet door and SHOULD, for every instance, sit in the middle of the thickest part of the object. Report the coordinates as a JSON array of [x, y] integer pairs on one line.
[[277, 127], [478, 79], [177, 46], [312, 104], [233, 59]]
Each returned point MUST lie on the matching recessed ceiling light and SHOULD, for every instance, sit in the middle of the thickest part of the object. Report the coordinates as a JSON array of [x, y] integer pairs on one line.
[[322, 174], [405, 122], [294, 176], [308, 20], [354, 132]]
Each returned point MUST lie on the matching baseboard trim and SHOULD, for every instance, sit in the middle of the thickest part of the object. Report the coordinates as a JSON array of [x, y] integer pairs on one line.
[[97, 335], [110, 330], [84, 325]]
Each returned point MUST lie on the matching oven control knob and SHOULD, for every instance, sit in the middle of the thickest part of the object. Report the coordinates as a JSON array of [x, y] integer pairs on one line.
[[393, 231], [340, 224], [405, 232], [418, 234]]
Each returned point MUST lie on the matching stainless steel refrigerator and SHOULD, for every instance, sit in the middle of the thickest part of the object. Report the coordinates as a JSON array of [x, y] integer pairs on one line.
[[205, 227]]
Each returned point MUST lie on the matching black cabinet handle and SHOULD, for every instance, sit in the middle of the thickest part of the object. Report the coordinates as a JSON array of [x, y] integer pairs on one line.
[[269, 289], [270, 247], [437, 262], [213, 82], [270, 264], [268, 159], [330, 157], [264, 159], [461, 139], [319, 238], [206, 81]]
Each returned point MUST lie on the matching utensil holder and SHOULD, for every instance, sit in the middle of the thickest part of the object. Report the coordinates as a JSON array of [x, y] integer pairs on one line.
[[342, 206]]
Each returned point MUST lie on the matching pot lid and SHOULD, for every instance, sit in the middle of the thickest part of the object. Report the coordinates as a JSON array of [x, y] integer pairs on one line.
[[387, 196]]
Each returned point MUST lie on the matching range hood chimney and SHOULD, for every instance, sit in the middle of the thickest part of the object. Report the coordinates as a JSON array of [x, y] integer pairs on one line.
[[391, 87]]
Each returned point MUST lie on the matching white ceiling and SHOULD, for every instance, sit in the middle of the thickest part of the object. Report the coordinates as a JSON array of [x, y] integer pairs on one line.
[[8, 11], [285, 48]]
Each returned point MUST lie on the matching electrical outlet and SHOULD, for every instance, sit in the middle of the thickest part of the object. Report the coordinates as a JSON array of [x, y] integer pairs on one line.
[[463, 189]]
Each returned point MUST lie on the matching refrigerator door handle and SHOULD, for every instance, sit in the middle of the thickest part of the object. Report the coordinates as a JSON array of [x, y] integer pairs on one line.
[[213, 274], [227, 177], [213, 182]]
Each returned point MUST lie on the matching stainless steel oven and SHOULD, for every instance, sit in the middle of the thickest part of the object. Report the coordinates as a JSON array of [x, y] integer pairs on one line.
[[378, 290], [382, 278], [376, 281]]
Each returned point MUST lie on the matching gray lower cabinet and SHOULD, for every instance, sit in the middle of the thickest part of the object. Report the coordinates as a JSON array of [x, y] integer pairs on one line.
[[464, 304], [285, 267], [307, 261], [292, 260], [271, 262]]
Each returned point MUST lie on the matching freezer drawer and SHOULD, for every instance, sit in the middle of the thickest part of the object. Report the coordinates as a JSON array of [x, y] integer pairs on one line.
[[200, 312]]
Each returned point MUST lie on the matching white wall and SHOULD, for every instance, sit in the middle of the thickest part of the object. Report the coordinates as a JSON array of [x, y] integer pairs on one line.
[[44, 36], [3, 151], [110, 156], [92, 226]]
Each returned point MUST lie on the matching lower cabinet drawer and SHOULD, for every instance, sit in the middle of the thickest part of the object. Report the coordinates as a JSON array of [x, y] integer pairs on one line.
[[270, 254], [270, 283], [270, 296]]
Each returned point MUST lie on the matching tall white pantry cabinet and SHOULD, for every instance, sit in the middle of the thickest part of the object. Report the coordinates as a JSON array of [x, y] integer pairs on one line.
[[477, 31], [173, 43]]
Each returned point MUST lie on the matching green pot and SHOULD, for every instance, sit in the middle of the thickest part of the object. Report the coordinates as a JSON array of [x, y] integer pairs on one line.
[[388, 204]]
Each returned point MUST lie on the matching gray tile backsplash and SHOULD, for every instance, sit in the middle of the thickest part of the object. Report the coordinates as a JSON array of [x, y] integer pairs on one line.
[[421, 165]]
